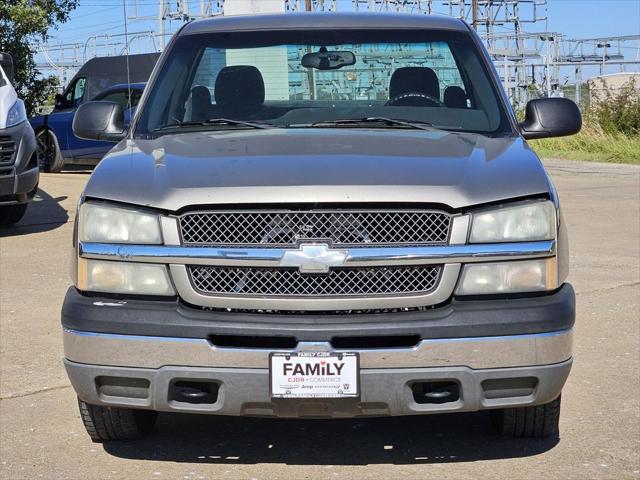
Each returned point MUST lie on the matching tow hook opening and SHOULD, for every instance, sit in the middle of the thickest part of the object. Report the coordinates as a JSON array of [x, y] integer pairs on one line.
[[195, 392], [435, 392]]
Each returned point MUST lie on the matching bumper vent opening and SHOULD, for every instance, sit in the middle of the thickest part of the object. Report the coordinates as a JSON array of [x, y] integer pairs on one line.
[[509, 387], [436, 392], [198, 392], [247, 341], [125, 387], [365, 342]]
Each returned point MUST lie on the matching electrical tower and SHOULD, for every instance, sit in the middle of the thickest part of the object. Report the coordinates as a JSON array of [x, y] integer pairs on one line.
[[530, 59]]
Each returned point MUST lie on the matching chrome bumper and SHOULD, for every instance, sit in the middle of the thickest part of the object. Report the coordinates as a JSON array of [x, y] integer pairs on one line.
[[475, 352]]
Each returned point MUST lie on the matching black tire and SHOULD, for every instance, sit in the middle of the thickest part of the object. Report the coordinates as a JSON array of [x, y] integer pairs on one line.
[[50, 158], [114, 423], [10, 214], [538, 421]]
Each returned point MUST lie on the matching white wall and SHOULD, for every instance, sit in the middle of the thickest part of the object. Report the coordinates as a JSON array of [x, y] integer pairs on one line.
[[244, 7]]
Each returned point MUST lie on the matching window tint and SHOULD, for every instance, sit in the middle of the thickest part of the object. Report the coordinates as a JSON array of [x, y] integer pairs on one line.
[[75, 92], [122, 97]]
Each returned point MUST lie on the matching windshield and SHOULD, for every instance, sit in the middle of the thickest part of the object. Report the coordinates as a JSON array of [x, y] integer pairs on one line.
[[346, 79]]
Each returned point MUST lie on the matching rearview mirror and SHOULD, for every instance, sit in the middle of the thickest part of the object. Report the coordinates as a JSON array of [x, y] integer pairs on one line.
[[328, 60], [550, 117], [99, 121], [6, 61]]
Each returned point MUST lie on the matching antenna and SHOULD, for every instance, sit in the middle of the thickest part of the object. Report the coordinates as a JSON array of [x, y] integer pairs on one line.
[[126, 52]]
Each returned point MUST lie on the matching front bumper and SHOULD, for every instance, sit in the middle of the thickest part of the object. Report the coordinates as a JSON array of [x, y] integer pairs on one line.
[[19, 179], [132, 352]]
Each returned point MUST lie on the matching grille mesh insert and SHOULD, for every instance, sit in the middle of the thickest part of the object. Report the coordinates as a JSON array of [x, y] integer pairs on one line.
[[338, 282], [339, 227]]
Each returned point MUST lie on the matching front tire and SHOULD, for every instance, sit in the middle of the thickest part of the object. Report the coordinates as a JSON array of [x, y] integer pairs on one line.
[[534, 422], [10, 214], [115, 423], [50, 158]]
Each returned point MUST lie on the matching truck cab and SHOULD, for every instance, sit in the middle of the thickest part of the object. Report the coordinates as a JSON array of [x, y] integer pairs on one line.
[[98, 78]]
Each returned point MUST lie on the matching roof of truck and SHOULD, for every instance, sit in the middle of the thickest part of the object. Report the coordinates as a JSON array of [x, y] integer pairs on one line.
[[323, 21]]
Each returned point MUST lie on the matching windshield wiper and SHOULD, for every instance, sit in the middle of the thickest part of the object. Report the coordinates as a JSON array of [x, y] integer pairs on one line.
[[215, 121], [391, 122]]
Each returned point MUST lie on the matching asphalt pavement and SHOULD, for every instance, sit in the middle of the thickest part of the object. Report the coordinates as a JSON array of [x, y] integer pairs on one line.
[[41, 435]]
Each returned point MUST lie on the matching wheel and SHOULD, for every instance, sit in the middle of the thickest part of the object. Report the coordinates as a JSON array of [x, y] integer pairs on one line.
[[10, 214], [537, 421], [49, 156], [115, 423]]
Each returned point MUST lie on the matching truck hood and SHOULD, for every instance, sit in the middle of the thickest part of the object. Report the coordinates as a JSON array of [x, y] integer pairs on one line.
[[312, 166]]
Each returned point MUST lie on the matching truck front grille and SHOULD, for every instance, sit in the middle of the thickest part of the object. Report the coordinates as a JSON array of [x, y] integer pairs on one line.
[[339, 282], [7, 151], [338, 227]]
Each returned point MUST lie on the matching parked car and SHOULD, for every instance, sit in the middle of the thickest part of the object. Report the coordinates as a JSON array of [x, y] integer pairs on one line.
[[251, 249], [18, 165], [98, 77]]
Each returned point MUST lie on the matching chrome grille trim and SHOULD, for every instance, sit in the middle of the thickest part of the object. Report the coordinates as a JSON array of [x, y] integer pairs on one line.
[[286, 228], [338, 282], [356, 257]]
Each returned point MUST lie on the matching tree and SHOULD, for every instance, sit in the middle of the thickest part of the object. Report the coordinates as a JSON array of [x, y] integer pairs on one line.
[[24, 23]]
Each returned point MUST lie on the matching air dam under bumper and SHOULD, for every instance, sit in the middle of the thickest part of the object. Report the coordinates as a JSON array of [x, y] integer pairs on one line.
[[245, 391]]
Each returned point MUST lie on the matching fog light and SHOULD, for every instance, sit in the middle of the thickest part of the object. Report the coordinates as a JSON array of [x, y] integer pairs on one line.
[[123, 277], [508, 277]]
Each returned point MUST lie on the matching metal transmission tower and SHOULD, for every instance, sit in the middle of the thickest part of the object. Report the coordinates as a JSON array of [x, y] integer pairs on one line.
[[530, 63], [176, 10], [400, 6]]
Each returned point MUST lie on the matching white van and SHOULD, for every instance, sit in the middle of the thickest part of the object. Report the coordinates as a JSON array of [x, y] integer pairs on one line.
[[18, 161]]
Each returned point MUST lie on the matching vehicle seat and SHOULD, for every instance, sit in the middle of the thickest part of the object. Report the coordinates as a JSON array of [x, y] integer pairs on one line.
[[199, 105], [407, 80], [239, 92], [455, 97]]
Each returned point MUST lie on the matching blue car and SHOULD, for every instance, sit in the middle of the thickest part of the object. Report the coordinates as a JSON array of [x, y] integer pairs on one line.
[[58, 146]]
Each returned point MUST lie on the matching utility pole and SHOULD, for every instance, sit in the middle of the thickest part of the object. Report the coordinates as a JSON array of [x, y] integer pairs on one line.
[[474, 14], [604, 55], [310, 78]]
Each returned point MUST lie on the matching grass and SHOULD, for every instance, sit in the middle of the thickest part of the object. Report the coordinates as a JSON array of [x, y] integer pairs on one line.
[[591, 144]]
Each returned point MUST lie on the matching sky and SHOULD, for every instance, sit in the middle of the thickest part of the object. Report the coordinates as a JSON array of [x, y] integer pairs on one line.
[[574, 18]]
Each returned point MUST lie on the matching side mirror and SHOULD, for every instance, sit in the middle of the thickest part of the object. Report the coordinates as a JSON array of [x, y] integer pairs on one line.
[[99, 121], [550, 117], [6, 61]]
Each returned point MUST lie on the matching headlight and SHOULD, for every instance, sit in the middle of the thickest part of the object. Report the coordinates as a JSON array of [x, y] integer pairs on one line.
[[17, 114], [525, 222], [109, 224], [123, 277], [508, 277]]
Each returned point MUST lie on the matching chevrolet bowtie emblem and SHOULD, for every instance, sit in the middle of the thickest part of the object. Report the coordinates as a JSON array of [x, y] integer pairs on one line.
[[313, 258]]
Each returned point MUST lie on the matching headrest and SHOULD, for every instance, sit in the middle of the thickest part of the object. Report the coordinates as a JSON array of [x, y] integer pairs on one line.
[[455, 97], [200, 103], [414, 80], [239, 86]]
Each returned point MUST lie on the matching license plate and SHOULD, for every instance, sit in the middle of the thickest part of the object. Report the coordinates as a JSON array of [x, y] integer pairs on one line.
[[314, 375]]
